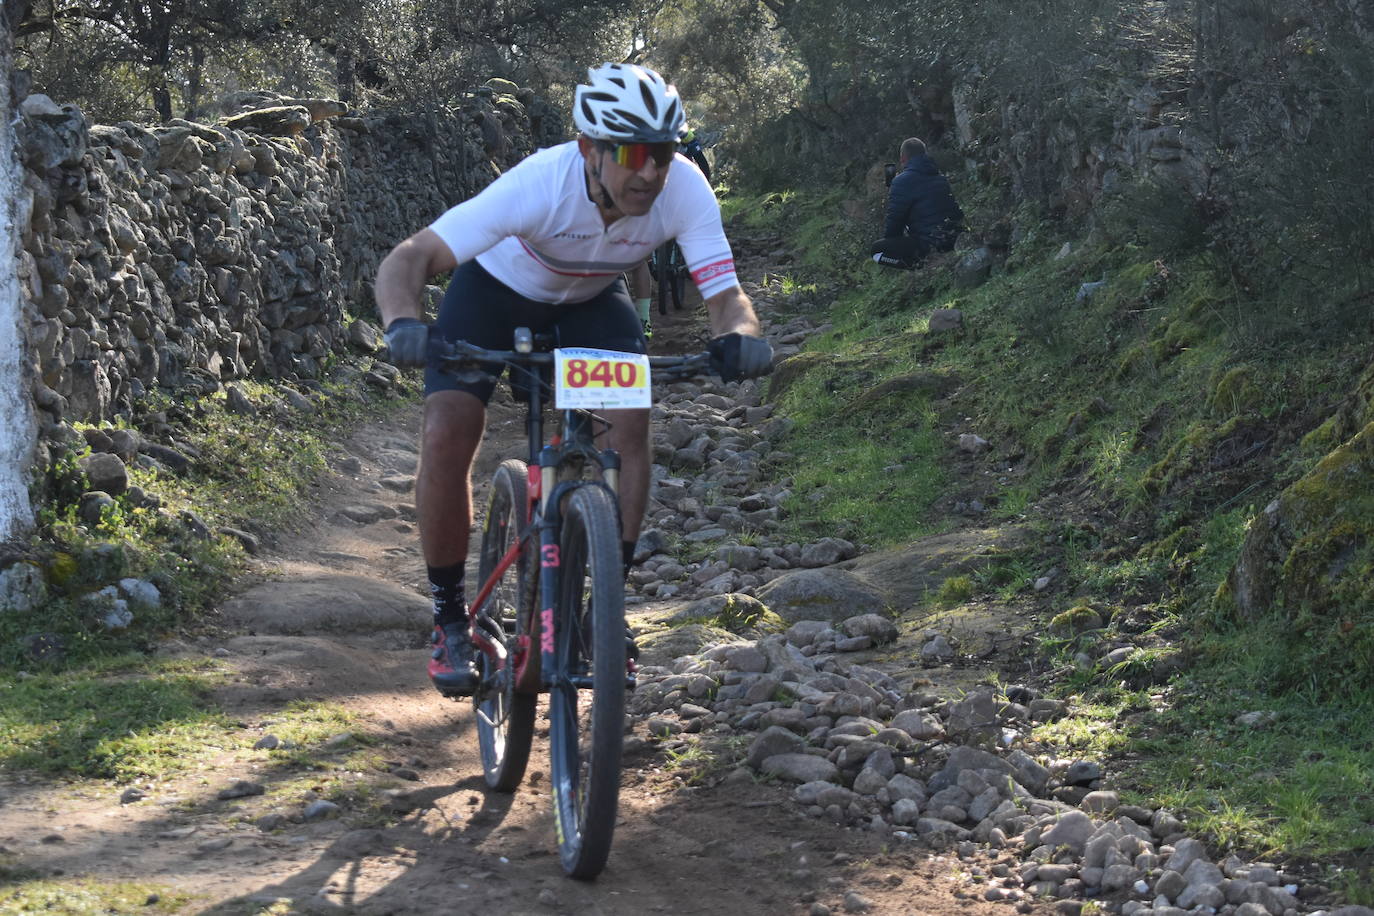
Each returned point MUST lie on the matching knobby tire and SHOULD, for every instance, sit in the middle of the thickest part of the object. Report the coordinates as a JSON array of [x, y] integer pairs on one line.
[[587, 725], [663, 275], [678, 272], [505, 716]]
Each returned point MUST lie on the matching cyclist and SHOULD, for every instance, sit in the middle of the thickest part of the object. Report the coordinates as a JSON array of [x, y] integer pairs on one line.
[[640, 277], [692, 149], [544, 246]]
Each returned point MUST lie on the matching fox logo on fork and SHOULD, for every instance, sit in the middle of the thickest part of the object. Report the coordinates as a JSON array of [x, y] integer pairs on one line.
[[546, 630]]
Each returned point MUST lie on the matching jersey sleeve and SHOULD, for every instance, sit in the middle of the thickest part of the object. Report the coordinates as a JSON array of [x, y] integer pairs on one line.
[[500, 210], [700, 234]]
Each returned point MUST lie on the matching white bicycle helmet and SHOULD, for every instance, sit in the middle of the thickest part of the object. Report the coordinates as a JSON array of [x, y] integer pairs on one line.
[[625, 103]]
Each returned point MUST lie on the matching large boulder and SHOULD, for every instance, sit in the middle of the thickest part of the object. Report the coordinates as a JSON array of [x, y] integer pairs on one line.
[[908, 575], [732, 611], [821, 594], [662, 646], [328, 603]]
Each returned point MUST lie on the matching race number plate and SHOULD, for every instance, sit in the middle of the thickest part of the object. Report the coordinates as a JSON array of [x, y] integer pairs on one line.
[[601, 379]]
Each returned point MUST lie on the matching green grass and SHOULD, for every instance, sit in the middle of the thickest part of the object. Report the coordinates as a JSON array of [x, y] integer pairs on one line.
[[868, 477], [1005, 578], [954, 591], [108, 725], [305, 727], [1095, 727], [90, 898], [698, 761], [130, 719], [1301, 784]]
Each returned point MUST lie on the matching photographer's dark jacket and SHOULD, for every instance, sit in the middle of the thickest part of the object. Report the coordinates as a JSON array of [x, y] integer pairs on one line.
[[921, 204]]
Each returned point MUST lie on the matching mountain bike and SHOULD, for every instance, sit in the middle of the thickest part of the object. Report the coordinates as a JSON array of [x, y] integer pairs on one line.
[[549, 614], [670, 274]]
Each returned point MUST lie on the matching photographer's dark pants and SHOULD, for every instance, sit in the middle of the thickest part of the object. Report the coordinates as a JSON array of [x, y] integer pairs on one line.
[[906, 252]]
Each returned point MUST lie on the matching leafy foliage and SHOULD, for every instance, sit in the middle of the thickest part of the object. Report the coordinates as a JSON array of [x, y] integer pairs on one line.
[[149, 61]]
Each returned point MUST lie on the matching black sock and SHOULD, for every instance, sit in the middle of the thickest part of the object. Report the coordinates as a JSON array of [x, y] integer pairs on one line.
[[446, 587], [627, 555]]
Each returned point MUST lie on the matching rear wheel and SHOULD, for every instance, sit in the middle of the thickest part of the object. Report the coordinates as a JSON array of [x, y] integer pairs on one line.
[[587, 702], [663, 275], [678, 285], [505, 716]]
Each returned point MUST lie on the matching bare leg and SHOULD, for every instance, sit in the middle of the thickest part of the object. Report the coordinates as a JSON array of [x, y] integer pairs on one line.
[[630, 437], [453, 426]]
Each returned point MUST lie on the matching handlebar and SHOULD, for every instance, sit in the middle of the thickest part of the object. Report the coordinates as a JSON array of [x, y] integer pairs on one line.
[[460, 356]]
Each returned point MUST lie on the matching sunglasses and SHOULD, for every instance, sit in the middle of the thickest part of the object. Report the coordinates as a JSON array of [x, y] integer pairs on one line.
[[633, 155]]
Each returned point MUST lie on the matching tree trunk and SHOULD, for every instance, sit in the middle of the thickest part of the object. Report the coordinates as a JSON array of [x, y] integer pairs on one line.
[[344, 76], [162, 101], [194, 82]]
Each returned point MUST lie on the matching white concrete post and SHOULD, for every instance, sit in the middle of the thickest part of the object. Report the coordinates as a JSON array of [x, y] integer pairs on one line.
[[16, 415]]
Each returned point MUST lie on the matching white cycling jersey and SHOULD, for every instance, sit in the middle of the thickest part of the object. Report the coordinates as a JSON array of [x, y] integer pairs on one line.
[[535, 229]]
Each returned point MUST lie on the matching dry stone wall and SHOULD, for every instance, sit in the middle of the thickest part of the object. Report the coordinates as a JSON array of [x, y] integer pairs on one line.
[[1070, 160], [187, 255]]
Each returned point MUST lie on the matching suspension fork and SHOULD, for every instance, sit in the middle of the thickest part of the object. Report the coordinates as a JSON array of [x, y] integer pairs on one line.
[[577, 427], [550, 562]]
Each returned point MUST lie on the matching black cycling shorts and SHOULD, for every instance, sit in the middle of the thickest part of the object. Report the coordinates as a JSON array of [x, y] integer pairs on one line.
[[484, 311]]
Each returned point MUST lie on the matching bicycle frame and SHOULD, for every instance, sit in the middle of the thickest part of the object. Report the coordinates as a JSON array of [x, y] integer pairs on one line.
[[542, 519], [545, 495]]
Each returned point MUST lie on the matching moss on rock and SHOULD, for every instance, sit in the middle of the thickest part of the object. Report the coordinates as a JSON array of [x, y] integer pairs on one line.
[[1075, 620], [1310, 555], [733, 612], [662, 646], [1235, 393], [787, 372], [1355, 412]]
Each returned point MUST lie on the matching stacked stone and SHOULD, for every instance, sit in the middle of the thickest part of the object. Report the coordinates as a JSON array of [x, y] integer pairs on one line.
[[952, 774], [186, 255]]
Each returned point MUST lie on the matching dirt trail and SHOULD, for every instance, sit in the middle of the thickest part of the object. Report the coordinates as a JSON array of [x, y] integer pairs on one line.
[[338, 616]]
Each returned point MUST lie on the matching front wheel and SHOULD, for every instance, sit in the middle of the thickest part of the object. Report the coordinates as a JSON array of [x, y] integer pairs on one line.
[[505, 716], [587, 701]]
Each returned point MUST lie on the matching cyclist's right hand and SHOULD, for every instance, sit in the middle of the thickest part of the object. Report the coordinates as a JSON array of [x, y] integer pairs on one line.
[[408, 341]]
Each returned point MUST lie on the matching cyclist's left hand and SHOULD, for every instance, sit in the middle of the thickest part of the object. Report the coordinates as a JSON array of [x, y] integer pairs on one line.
[[737, 356]]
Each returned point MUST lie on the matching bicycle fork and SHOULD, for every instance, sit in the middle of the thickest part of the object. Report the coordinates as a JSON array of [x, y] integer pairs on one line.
[[550, 562]]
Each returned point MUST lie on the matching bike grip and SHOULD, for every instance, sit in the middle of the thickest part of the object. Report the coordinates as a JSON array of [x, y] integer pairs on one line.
[[436, 346]]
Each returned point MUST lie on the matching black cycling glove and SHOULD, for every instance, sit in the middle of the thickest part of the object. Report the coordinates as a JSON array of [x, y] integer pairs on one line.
[[737, 356], [408, 341]]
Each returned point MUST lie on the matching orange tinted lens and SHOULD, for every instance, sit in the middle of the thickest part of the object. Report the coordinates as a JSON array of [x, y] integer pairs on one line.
[[631, 155], [634, 155]]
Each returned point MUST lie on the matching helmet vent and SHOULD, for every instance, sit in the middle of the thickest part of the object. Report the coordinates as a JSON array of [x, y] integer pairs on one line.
[[650, 102]]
